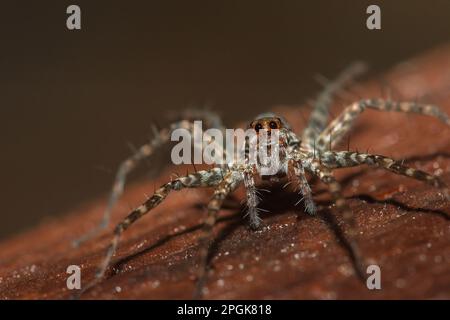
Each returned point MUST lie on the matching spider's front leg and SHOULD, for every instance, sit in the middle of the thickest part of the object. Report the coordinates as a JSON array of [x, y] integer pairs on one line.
[[304, 187], [204, 178], [335, 131], [230, 182], [126, 167], [326, 176], [345, 159], [252, 200]]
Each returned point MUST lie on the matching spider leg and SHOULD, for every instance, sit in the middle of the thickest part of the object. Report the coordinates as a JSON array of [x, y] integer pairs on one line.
[[204, 178], [332, 134], [326, 176], [305, 189], [230, 182], [319, 116], [145, 151], [125, 168], [211, 119], [344, 159], [252, 200]]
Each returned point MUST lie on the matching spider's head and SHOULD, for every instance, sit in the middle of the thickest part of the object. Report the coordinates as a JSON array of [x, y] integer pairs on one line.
[[267, 121], [271, 136]]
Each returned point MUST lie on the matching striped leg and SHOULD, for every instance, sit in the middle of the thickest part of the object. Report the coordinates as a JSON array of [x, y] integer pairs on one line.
[[252, 201], [204, 178], [342, 124], [326, 176], [344, 159], [319, 116], [126, 167], [230, 182], [305, 189]]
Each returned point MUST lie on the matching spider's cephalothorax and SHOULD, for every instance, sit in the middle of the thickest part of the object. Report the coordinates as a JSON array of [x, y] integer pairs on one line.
[[311, 152], [269, 145], [280, 147]]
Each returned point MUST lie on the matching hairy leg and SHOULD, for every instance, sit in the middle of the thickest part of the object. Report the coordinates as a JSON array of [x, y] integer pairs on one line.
[[230, 182], [304, 187], [204, 178], [319, 116], [162, 137], [342, 124], [344, 159], [252, 200]]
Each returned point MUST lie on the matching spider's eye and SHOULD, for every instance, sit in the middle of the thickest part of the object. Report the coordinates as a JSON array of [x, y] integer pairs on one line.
[[258, 127], [273, 125]]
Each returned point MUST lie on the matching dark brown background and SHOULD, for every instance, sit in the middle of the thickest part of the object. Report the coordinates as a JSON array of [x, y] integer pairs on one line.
[[70, 100]]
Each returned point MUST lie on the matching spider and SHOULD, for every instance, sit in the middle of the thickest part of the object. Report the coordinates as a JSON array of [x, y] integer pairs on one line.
[[310, 152]]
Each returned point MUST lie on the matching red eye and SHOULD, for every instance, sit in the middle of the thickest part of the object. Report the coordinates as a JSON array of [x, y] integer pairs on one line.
[[258, 127], [273, 125]]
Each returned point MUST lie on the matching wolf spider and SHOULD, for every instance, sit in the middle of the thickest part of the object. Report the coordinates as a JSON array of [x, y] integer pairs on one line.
[[311, 152]]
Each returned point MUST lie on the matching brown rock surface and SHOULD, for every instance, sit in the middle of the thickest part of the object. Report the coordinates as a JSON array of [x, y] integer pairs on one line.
[[403, 224]]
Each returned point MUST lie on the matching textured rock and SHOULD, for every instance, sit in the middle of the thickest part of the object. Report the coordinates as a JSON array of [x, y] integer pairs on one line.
[[403, 223]]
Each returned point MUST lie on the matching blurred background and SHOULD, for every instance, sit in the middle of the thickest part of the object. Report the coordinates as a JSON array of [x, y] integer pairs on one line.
[[71, 100]]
